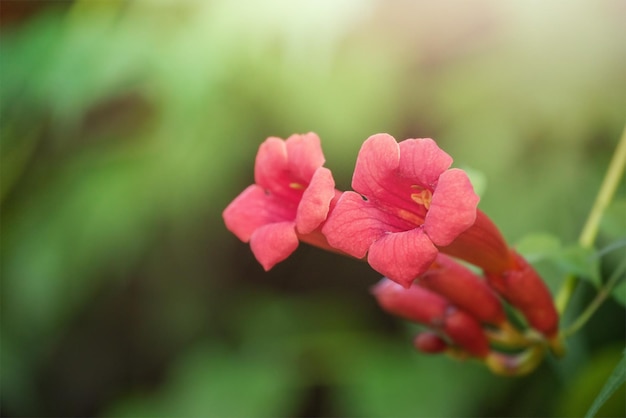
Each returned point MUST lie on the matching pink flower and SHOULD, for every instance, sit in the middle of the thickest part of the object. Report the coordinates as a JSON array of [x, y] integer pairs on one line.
[[290, 200], [407, 203]]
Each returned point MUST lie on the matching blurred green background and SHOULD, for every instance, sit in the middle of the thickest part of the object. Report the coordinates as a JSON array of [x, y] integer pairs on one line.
[[128, 126]]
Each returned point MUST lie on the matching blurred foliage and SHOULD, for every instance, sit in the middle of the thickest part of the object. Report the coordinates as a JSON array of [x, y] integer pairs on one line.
[[554, 261], [127, 127], [583, 388]]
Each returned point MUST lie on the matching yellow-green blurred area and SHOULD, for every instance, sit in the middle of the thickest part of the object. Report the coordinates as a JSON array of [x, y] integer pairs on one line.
[[128, 126]]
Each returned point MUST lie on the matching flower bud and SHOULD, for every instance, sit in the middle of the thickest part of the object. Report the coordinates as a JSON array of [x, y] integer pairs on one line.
[[414, 304], [522, 287], [464, 289], [466, 332], [430, 343], [420, 305]]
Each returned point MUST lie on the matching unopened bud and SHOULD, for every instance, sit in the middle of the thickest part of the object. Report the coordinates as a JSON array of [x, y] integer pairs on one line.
[[464, 289], [430, 343], [466, 332], [425, 307], [414, 304], [522, 287]]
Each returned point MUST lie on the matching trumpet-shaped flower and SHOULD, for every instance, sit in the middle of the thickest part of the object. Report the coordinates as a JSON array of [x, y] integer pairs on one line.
[[407, 203], [289, 201]]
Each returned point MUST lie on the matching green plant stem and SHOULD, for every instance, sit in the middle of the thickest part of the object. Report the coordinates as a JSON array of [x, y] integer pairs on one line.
[[590, 230], [601, 296]]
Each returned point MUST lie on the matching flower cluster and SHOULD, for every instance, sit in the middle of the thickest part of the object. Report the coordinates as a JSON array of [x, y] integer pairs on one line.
[[414, 220]]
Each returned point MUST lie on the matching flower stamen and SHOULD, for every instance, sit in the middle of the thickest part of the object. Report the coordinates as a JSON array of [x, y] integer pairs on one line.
[[423, 197], [410, 217]]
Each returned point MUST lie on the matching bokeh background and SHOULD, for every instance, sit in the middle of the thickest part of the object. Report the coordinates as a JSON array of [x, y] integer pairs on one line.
[[128, 126]]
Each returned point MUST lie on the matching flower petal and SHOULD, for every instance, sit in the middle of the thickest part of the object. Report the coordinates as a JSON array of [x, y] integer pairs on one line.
[[252, 209], [271, 168], [354, 225], [377, 159], [422, 159], [273, 243], [315, 202], [305, 156], [402, 256], [452, 209]]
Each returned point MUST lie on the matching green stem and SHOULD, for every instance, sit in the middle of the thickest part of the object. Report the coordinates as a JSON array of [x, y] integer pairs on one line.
[[602, 294], [590, 230]]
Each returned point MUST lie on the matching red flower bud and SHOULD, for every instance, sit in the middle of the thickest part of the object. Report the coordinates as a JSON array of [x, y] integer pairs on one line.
[[414, 304], [522, 287], [430, 343], [464, 289], [466, 332], [425, 307]]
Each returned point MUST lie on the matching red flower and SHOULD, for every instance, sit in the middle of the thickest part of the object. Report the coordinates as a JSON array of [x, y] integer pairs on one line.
[[290, 200], [408, 202]]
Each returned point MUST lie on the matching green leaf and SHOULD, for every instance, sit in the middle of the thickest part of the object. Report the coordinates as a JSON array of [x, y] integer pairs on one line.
[[617, 378], [555, 261], [539, 246], [581, 262], [613, 223], [619, 284], [574, 259], [619, 293]]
